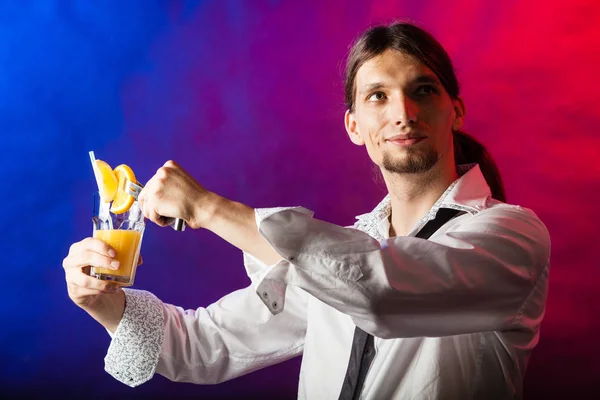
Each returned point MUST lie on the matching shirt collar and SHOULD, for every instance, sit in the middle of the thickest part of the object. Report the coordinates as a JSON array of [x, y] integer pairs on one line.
[[468, 193]]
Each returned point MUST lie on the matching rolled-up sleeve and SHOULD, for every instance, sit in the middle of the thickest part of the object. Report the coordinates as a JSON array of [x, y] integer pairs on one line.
[[480, 272]]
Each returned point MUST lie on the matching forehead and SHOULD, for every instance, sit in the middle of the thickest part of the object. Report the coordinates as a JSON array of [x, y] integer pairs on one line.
[[392, 65]]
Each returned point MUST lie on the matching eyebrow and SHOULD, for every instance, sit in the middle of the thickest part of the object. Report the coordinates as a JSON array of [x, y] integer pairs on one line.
[[427, 79], [419, 79], [371, 86]]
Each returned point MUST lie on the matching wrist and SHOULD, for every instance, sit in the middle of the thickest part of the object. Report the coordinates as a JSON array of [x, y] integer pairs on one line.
[[207, 211], [108, 309]]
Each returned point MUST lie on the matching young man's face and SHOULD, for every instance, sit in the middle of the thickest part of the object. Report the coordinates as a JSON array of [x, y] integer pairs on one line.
[[403, 114]]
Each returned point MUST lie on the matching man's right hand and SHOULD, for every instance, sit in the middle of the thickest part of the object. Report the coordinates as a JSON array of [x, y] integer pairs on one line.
[[104, 301]]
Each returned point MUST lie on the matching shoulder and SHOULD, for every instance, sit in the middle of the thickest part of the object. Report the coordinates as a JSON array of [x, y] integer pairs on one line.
[[511, 215], [511, 224]]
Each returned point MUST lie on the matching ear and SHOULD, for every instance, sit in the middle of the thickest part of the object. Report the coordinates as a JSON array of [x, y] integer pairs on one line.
[[352, 128], [459, 111]]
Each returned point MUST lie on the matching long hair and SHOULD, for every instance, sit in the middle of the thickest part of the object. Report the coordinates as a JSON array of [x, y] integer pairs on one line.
[[418, 43]]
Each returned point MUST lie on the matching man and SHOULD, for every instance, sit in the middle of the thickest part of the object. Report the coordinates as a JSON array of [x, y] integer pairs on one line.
[[452, 316]]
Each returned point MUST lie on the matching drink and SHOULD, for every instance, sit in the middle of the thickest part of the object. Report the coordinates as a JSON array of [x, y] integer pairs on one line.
[[118, 220], [124, 233], [127, 244]]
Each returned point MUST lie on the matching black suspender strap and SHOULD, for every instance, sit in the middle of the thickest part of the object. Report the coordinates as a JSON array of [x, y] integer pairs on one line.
[[363, 344]]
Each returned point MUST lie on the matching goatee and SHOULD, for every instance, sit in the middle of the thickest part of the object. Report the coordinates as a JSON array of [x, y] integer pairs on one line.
[[413, 163]]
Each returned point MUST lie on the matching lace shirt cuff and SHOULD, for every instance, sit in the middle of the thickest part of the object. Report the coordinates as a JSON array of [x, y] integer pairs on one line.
[[133, 353]]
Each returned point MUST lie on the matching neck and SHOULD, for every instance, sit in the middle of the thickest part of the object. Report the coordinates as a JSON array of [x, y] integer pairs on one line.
[[413, 195]]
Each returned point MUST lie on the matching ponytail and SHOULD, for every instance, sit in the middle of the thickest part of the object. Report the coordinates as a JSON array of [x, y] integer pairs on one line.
[[468, 150]]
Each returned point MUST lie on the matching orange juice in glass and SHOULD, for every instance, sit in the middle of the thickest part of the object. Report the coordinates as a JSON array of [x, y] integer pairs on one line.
[[124, 233]]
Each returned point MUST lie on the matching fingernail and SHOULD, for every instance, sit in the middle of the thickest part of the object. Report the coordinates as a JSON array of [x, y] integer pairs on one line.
[[112, 253], [112, 288], [114, 264]]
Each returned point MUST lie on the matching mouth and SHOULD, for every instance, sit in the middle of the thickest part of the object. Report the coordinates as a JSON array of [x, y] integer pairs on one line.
[[406, 140]]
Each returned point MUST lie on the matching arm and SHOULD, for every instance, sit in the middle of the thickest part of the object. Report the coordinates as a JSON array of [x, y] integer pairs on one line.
[[172, 192], [236, 223], [232, 337], [484, 272], [488, 272]]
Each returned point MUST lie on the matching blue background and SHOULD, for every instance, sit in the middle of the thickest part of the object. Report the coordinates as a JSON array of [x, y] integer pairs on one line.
[[248, 97]]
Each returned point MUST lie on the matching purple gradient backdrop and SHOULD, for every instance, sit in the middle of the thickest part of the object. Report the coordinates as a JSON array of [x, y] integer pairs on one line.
[[248, 97]]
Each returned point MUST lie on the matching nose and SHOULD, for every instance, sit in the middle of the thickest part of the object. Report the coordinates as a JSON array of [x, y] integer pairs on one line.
[[404, 112]]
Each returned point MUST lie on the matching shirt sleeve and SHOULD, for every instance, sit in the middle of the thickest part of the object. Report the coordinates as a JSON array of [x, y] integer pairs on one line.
[[234, 336], [481, 272], [133, 352]]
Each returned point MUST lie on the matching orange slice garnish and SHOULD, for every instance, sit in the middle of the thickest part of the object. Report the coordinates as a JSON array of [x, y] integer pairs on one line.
[[108, 182], [122, 201]]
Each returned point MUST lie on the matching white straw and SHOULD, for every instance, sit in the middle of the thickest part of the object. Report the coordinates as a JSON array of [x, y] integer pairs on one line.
[[97, 176], [95, 168]]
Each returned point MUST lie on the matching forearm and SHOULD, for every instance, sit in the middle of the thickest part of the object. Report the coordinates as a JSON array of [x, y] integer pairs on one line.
[[236, 223], [233, 336], [108, 310]]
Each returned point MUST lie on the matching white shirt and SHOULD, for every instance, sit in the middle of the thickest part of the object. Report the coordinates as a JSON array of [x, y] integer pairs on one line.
[[454, 317]]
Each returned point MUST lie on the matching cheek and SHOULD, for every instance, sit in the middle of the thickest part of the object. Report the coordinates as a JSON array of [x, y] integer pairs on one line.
[[439, 119], [371, 126], [373, 136], [373, 143], [443, 128], [448, 114]]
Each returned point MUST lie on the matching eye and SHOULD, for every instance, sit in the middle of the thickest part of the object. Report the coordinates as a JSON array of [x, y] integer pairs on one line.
[[427, 90], [377, 96]]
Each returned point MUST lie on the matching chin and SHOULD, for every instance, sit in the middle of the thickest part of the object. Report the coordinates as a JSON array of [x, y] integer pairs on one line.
[[410, 163]]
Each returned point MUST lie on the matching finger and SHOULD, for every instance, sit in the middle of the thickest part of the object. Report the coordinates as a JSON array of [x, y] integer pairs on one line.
[[81, 280], [90, 258], [150, 209], [163, 173], [161, 197], [148, 201], [155, 217], [171, 164], [165, 221], [93, 244], [80, 291], [140, 260], [172, 170], [141, 200]]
